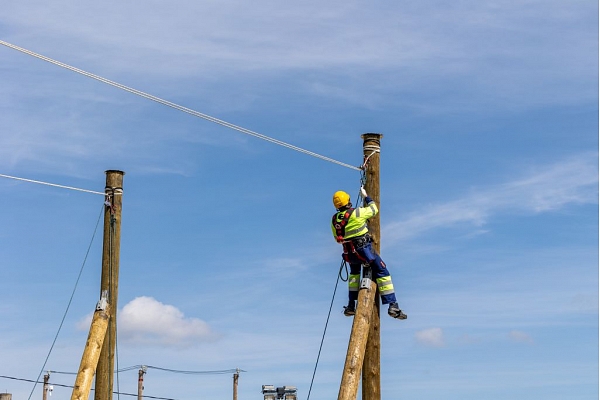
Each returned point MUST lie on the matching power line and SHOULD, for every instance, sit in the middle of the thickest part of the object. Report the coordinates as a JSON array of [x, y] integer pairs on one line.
[[177, 371], [68, 386], [51, 184], [226, 371], [177, 106]]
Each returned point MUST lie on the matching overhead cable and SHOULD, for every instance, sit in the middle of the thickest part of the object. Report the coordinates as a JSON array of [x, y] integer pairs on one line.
[[69, 386], [51, 184], [226, 371], [177, 106]]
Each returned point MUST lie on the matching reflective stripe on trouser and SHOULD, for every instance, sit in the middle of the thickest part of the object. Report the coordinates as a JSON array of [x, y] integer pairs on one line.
[[380, 273], [385, 285], [354, 283]]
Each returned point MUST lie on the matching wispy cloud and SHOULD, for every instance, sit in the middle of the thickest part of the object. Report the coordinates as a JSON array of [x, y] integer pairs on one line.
[[520, 336], [409, 43], [544, 189], [432, 337]]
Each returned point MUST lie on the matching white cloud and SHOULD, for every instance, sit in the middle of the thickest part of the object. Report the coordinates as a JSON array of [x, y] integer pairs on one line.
[[432, 337], [145, 320], [573, 181], [519, 336]]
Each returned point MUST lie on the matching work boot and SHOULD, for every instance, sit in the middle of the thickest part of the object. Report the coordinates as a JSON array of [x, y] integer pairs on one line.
[[350, 309], [395, 312]]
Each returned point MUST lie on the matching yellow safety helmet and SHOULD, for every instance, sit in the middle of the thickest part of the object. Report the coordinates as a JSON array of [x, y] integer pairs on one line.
[[340, 199]]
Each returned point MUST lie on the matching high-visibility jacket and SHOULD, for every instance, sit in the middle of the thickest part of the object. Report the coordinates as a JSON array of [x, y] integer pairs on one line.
[[357, 221]]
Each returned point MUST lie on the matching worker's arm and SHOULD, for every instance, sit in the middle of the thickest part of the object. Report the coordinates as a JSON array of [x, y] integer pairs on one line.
[[370, 209]]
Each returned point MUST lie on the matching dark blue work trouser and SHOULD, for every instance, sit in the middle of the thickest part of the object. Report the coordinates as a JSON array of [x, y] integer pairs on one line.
[[356, 257]]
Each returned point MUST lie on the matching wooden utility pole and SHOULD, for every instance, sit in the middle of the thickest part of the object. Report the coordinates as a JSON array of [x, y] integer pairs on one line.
[[236, 376], [110, 280], [367, 308], [141, 373], [371, 377], [45, 391]]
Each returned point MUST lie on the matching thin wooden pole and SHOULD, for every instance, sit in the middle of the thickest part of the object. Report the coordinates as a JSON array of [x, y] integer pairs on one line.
[[45, 392], [109, 280], [93, 348], [358, 341], [236, 376], [141, 373], [371, 376]]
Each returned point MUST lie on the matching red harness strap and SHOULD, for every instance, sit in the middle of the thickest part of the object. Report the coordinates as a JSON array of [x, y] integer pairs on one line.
[[340, 226], [340, 231]]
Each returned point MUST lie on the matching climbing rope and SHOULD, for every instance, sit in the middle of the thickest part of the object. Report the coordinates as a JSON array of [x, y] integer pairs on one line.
[[176, 106], [375, 149], [68, 304], [327, 323]]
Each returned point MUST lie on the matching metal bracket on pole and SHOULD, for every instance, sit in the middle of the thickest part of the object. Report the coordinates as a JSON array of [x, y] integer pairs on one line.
[[103, 302], [365, 283]]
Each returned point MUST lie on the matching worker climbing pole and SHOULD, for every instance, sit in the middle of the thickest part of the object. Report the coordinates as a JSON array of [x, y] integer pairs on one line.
[[361, 248]]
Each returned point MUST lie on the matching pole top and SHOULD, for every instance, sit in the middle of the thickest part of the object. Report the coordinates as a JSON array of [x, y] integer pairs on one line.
[[371, 142], [375, 136], [114, 171]]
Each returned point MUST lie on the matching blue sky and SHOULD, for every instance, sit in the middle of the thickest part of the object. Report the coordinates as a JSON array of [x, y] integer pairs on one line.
[[489, 191]]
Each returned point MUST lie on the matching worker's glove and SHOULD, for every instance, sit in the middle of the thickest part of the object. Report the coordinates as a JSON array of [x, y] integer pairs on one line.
[[363, 192]]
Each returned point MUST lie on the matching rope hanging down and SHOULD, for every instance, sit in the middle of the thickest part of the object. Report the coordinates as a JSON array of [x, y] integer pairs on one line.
[[177, 106]]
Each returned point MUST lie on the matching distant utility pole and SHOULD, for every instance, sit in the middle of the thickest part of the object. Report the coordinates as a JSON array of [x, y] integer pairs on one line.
[[363, 347], [45, 391], [371, 376], [236, 376], [110, 280], [141, 373]]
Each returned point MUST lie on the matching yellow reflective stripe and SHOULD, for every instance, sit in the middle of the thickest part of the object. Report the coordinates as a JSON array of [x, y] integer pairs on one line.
[[386, 289], [353, 282], [385, 285], [383, 280], [373, 208], [357, 230]]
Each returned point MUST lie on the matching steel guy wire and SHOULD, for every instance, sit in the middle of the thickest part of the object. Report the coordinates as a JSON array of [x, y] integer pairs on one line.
[[69, 303], [176, 106]]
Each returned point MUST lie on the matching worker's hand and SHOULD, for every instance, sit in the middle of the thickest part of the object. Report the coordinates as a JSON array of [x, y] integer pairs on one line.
[[363, 192]]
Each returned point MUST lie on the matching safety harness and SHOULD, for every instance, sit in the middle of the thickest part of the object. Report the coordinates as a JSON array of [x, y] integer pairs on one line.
[[351, 244], [340, 226]]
